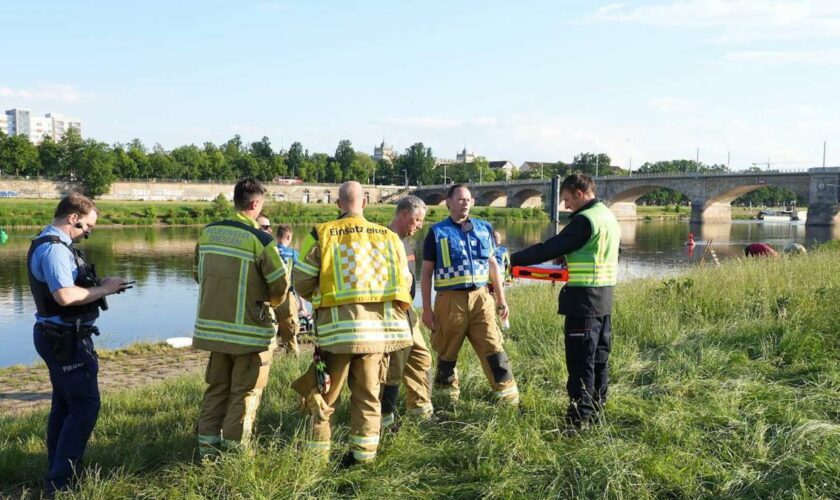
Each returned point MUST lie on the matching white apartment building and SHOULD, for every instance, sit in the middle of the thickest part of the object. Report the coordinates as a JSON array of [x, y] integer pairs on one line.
[[21, 122], [61, 124]]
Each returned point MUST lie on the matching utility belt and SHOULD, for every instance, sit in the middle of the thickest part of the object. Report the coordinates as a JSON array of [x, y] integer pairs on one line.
[[64, 337], [470, 289]]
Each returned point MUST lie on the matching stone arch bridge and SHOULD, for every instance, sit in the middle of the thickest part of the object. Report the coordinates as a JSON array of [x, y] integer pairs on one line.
[[710, 194]]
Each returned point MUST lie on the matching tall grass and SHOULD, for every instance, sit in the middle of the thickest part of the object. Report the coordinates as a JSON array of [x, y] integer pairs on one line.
[[725, 384]]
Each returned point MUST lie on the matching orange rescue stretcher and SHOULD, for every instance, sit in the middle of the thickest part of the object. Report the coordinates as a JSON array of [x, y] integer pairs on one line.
[[545, 272]]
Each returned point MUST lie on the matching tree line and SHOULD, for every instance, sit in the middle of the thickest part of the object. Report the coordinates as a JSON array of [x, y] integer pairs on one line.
[[97, 164]]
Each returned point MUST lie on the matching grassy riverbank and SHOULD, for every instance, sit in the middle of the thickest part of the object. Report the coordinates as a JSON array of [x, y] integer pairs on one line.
[[18, 213], [682, 212], [726, 383]]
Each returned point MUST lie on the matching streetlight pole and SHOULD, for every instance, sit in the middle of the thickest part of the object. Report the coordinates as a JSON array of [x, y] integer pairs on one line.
[[406, 177]]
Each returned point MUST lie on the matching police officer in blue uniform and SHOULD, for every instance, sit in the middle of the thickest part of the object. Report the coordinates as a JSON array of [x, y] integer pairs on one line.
[[68, 297]]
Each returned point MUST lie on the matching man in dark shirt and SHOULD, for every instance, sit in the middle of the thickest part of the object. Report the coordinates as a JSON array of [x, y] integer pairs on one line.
[[589, 244]]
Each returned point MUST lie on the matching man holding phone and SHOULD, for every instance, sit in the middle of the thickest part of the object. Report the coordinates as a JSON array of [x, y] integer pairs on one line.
[[68, 297]]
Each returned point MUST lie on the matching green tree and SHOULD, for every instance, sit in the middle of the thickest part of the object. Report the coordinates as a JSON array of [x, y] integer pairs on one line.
[[361, 169], [233, 151], [192, 161], [592, 164], [97, 168], [217, 165], [385, 172], [419, 162], [317, 167], [139, 156], [49, 155], [221, 207], [124, 165], [344, 155], [18, 156], [269, 165], [332, 173], [161, 165], [295, 159], [72, 147]]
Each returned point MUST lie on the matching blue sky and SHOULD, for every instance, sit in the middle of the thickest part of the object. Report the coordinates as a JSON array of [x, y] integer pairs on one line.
[[528, 80]]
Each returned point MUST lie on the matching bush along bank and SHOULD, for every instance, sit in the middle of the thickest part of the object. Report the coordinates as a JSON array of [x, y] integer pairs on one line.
[[36, 213], [726, 383]]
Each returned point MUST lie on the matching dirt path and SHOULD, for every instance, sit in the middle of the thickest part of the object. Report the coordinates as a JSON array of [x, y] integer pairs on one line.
[[27, 388]]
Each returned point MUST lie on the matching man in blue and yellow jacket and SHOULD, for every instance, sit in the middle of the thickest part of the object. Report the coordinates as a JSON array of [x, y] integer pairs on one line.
[[241, 278], [459, 254], [355, 274]]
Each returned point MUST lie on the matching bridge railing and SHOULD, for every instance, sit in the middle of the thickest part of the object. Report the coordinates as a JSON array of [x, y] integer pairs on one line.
[[657, 175]]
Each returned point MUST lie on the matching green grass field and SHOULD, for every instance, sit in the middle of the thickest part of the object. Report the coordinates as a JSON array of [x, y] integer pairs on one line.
[[673, 212], [20, 213], [726, 383]]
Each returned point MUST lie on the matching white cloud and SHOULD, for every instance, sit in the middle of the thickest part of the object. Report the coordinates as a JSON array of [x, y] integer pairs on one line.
[[58, 93], [785, 56], [735, 20]]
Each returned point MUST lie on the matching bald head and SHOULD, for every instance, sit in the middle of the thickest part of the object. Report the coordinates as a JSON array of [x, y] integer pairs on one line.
[[351, 198]]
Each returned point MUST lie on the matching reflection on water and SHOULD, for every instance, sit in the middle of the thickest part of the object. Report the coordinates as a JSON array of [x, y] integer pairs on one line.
[[162, 304]]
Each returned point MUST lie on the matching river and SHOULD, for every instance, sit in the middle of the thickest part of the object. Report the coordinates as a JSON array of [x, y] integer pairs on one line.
[[162, 304]]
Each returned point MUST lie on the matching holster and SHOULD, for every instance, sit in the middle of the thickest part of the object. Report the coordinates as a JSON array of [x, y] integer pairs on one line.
[[64, 337]]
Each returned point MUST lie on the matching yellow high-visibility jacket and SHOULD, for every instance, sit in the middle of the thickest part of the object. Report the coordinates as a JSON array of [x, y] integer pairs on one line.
[[241, 277], [355, 274]]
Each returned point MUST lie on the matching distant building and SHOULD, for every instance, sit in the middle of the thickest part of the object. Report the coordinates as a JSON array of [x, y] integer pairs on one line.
[[4, 124], [61, 124], [535, 166], [464, 157], [505, 166], [384, 152], [21, 122]]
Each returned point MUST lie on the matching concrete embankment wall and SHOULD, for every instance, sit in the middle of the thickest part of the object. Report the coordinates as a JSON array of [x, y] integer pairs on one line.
[[190, 191]]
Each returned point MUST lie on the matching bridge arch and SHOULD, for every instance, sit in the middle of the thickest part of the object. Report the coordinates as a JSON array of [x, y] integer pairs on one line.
[[634, 193], [724, 195], [492, 198], [434, 199], [527, 198]]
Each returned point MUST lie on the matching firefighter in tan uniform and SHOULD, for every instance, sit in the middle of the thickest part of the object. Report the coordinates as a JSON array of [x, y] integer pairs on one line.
[[354, 272], [412, 364], [241, 277], [459, 253]]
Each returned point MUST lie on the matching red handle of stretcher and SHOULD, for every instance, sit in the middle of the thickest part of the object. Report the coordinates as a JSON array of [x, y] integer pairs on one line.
[[541, 273]]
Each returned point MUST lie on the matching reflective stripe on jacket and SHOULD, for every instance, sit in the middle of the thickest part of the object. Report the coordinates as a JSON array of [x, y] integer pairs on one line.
[[372, 316], [462, 259], [596, 263], [361, 262], [240, 276]]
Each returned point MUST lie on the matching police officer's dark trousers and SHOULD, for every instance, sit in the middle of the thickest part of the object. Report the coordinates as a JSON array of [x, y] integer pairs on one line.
[[588, 342], [75, 405]]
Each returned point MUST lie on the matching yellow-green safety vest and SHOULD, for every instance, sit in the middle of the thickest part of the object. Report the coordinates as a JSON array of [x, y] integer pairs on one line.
[[596, 263]]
